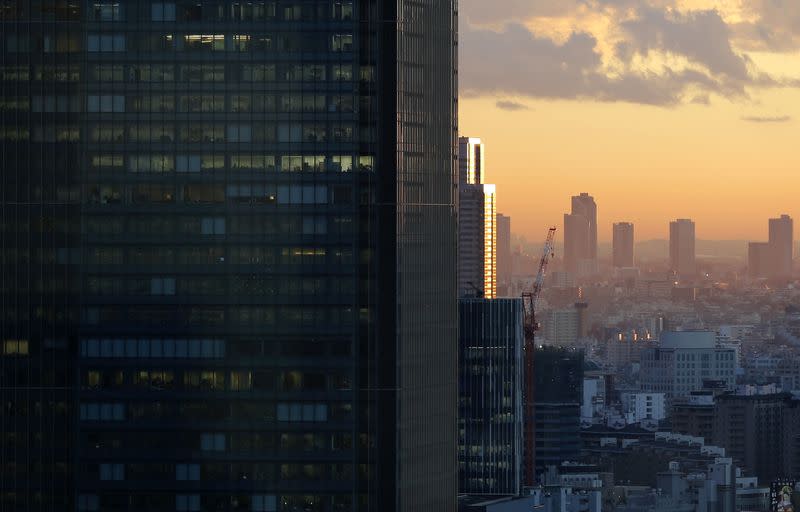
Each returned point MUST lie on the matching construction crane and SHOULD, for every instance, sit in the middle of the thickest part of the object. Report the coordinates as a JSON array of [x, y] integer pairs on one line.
[[530, 327]]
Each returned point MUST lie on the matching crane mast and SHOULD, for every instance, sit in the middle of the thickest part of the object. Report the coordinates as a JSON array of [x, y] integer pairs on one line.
[[530, 327]]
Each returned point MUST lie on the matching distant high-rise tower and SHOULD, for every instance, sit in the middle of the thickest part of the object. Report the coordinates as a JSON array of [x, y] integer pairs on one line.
[[576, 240], [584, 205], [503, 250], [781, 240], [623, 244], [471, 161], [580, 236], [759, 255], [682, 247], [477, 233]]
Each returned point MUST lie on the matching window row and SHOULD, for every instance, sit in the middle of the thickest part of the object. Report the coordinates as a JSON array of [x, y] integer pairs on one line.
[[336, 319], [289, 42], [192, 73], [235, 162], [222, 501], [307, 439], [254, 285], [209, 133], [154, 225], [194, 103], [247, 411], [153, 348], [214, 255], [250, 10], [152, 193], [214, 380]]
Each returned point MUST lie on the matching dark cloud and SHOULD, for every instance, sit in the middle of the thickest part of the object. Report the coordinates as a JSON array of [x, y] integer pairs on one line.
[[703, 37], [500, 56], [515, 62], [776, 27], [483, 12], [767, 119], [511, 106]]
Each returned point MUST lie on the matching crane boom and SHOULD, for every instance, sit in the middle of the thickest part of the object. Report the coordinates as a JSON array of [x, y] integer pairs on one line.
[[529, 300]]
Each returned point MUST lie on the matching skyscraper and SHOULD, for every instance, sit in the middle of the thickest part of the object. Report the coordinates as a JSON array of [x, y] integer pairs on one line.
[[580, 236], [477, 218], [558, 374], [471, 161], [504, 257], [584, 204], [576, 241], [759, 259], [781, 241], [682, 247], [623, 242], [490, 392], [229, 270]]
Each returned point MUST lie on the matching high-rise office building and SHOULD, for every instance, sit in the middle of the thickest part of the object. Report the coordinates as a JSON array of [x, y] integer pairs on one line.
[[490, 392], [229, 256], [622, 244], [580, 236], [781, 241], [759, 259], [471, 161], [584, 204], [682, 247], [558, 395], [576, 241], [504, 257], [477, 224]]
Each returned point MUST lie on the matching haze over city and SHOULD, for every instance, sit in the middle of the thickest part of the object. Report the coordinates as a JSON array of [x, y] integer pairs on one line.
[[659, 108]]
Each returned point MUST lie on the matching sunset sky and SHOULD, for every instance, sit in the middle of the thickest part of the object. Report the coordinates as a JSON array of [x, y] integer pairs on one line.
[[658, 108]]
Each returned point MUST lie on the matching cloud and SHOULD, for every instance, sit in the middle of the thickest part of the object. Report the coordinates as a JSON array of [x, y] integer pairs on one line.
[[655, 52], [511, 106], [515, 62], [767, 119], [702, 37]]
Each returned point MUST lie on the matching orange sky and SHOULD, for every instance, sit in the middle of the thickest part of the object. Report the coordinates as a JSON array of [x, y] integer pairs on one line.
[[729, 164]]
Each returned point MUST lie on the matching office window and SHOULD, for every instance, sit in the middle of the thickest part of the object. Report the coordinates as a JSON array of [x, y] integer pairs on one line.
[[15, 347], [105, 103], [212, 226], [88, 503], [115, 472], [239, 133], [187, 503], [212, 442], [204, 42], [162, 286], [162, 12], [342, 42], [264, 503], [106, 43], [187, 472], [106, 11]]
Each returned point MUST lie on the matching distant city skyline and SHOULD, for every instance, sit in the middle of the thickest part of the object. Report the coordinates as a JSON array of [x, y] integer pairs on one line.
[[648, 139]]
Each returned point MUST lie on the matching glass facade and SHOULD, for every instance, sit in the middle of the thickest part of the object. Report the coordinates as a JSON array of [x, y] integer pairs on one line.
[[228, 255], [490, 396], [558, 393]]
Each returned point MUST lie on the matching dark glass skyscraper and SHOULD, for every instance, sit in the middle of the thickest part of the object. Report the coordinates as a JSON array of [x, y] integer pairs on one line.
[[228, 257], [490, 396], [558, 390]]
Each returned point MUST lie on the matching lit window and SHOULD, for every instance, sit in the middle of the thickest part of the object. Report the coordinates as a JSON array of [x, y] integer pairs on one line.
[[15, 347]]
